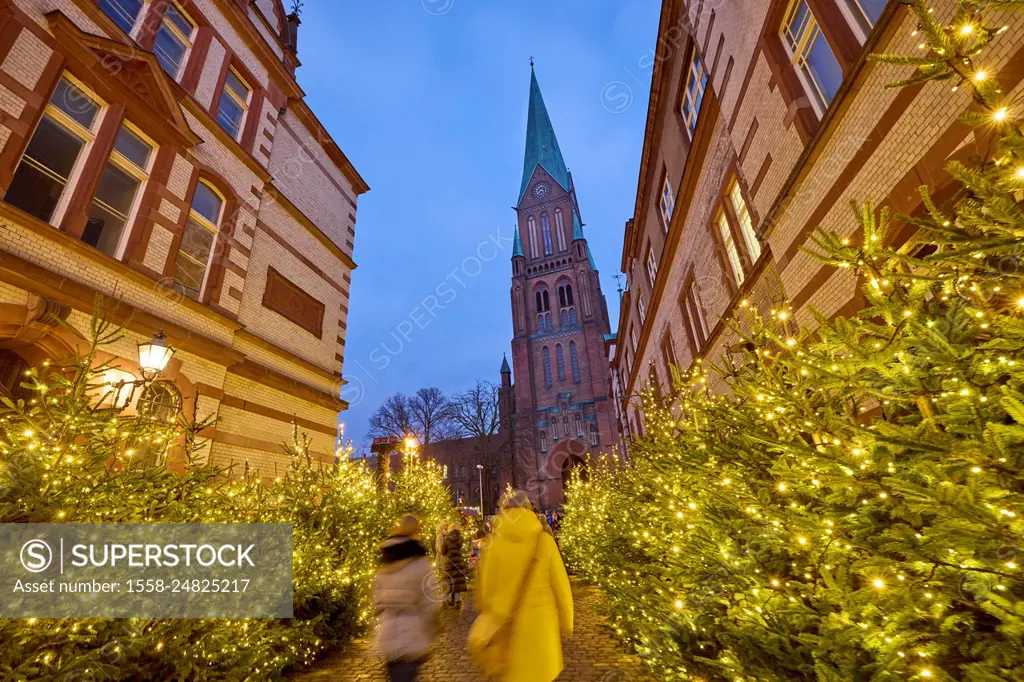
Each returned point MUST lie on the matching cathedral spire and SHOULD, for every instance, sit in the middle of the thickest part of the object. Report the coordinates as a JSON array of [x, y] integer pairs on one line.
[[517, 246], [541, 145]]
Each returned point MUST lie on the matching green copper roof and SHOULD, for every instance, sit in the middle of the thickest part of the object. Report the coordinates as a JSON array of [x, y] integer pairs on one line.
[[590, 257], [517, 246], [504, 365], [577, 227], [541, 145]]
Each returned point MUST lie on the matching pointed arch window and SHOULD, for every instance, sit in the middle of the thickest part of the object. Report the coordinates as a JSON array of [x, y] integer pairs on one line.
[[578, 423], [565, 303], [560, 361], [545, 229], [193, 260], [565, 426], [565, 318], [532, 227], [574, 359], [543, 442], [547, 366], [560, 230], [593, 435]]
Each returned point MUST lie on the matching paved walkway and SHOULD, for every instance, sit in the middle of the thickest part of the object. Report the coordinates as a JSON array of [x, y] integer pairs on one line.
[[592, 655]]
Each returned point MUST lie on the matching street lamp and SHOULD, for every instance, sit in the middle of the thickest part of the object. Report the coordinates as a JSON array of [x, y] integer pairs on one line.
[[480, 469], [153, 358], [411, 444], [154, 355]]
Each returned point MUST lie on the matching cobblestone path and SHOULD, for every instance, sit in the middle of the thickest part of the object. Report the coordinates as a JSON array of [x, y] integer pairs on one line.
[[592, 655]]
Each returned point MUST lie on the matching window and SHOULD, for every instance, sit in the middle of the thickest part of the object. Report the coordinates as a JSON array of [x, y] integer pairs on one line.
[[547, 366], [124, 13], [812, 56], [693, 313], [545, 230], [173, 40], [160, 401], [560, 230], [667, 204], [693, 92], [444, 472], [739, 207], [560, 362], [863, 14], [641, 309], [575, 362], [54, 153], [543, 442], [533, 237], [730, 248], [234, 103], [193, 258], [565, 426], [117, 191], [652, 266], [632, 338], [593, 434], [578, 423], [668, 354]]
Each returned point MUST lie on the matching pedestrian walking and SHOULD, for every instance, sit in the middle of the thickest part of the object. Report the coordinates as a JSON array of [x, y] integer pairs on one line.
[[442, 530], [407, 600], [454, 564], [524, 599]]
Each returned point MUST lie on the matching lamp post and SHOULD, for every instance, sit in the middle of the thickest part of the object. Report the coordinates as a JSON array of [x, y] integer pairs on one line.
[[480, 470], [153, 358]]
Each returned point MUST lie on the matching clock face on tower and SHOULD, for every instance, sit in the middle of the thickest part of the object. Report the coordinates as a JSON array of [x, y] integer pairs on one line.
[[541, 190]]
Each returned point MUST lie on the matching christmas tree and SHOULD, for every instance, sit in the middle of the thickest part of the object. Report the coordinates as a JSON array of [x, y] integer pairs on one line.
[[848, 508], [72, 454]]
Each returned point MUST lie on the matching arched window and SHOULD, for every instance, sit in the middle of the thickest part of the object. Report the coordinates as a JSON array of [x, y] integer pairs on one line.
[[160, 401], [193, 259], [540, 323], [561, 296], [545, 229], [568, 294], [560, 361], [575, 362], [579, 424], [560, 230], [540, 302], [572, 316], [565, 318], [547, 366], [547, 304], [593, 434], [565, 303], [543, 442], [533, 237], [565, 426], [541, 297]]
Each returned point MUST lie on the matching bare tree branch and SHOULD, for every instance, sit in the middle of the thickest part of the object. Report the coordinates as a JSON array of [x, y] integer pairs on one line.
[[393, 418]]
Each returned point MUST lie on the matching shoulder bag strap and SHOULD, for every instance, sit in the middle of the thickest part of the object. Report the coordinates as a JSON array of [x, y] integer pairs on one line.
[[526, 577]]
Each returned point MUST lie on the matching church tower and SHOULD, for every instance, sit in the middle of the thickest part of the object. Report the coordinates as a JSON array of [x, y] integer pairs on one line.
[[560, 320]]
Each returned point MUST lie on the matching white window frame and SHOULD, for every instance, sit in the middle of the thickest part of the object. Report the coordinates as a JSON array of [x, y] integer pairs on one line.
[[742, 213], [189, 40], [205, 223], [694, 89], [560, 229], [798, 44], [226, 90], [652, 266], [729, 244], [667, 204], [641, 310], [532, 224], [86, 135], [141, 174], [698, 327], [858, 18]]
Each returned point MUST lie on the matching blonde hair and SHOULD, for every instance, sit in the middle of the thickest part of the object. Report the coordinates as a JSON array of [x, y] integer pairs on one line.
[[517, 500]]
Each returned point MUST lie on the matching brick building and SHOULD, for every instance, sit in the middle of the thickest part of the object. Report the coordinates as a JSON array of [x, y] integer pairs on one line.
[[765, 120], [560, 319], [161, 153]]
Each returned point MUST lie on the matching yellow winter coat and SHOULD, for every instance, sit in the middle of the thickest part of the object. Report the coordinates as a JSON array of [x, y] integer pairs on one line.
[[531, 650]]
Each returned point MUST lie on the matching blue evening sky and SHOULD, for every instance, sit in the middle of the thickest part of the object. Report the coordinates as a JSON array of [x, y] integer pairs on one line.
[[428, 99]]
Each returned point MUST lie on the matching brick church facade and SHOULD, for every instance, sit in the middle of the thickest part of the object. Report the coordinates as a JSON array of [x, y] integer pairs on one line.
[[162, 154], [560, 321]]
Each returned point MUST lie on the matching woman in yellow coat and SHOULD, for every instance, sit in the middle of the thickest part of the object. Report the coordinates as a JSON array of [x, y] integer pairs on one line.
[[518, 635]]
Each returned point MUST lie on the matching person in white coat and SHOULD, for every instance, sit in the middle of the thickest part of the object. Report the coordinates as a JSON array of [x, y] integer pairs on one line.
[[407, 600]]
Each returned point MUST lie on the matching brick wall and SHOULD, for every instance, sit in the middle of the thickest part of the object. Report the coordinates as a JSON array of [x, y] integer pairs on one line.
[[878, 146], [213, 351]]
